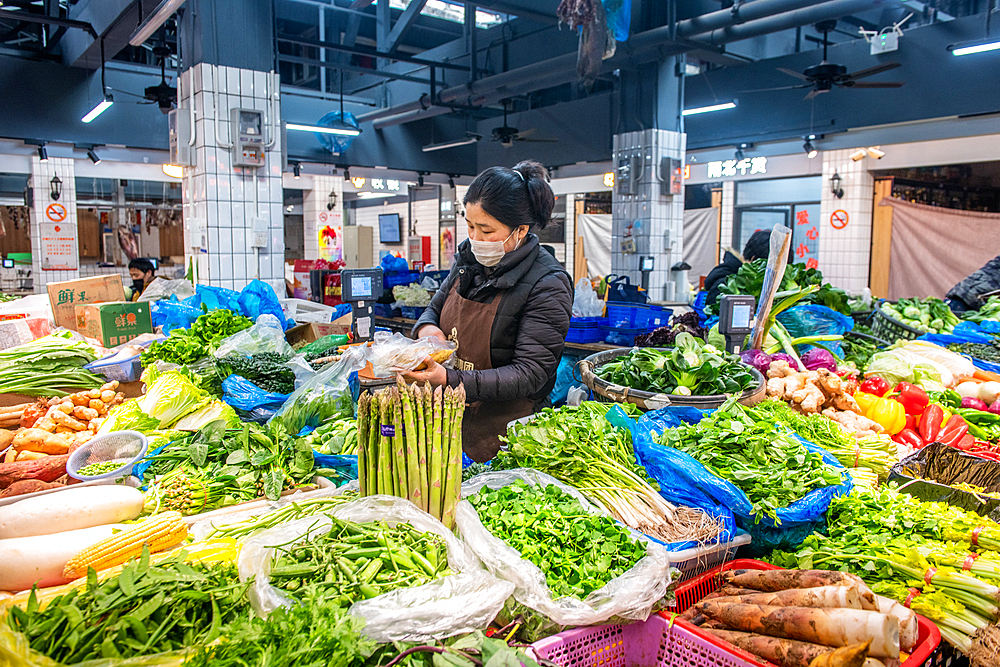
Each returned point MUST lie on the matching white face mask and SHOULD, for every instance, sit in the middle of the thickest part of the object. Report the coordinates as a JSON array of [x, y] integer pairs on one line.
[[489, 253]]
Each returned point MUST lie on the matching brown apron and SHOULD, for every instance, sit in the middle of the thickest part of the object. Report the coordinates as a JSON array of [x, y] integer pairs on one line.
[[469, 324]]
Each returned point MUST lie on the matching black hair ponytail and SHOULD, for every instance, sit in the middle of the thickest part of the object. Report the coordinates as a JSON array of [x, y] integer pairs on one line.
[[518, 196]]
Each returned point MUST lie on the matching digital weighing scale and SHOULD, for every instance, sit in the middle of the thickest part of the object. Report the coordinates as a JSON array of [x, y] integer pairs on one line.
[[361, 288], [736, 313]]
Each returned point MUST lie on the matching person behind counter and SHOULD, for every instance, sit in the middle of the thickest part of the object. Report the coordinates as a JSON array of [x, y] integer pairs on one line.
[[758, 245], [506, 303], [141, 271]]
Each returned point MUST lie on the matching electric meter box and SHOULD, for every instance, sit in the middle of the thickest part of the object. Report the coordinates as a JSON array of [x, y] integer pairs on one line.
[[179, 124], [247, 132]]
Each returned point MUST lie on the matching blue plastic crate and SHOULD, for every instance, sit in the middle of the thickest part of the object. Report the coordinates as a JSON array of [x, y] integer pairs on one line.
[[655, 317], [585, 334], [392, 278], [439, 276], [624, 336], [412, 312], [587, 321], [627, 314]]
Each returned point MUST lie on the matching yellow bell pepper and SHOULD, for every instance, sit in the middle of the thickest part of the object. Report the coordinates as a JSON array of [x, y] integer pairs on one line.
[[888, 413], [865, 401]]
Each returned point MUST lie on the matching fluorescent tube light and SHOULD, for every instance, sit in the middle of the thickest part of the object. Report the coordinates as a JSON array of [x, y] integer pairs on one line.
[[104, 105], [708, 109], [173, 170], [470, 139], [977, 48], [345, 131]]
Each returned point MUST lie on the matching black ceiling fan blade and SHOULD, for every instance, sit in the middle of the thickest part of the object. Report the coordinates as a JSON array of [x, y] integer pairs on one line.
[[538, 141], [767, 90], [873, 70], [872, 84], [791, 72], [813, 93], [125, 92]]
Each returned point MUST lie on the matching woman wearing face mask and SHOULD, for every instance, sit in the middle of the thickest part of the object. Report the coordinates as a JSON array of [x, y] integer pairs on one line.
[[506, 303]]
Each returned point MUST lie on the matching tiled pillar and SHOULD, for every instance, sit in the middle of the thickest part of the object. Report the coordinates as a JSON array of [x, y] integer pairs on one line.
[[654, 219], [316, 215], [219, 198], [845, 250], [728, 217], [53, 223]]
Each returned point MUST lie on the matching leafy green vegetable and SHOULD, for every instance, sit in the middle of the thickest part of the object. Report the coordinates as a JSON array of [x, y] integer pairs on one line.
[[267, 370], [988, 311], [858, 351], [171, 397], [985, 351], [579, 552], [49, 366], [758, 455], [185, 346], [128, 416], [206, 414], [338, 436], [750, 280], [928, 315], [691, 368]]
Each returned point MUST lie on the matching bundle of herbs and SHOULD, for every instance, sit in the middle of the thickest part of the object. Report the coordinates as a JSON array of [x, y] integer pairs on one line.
[[691, 368], [759, 456], [579, 447], [267, 370], [185, 346]]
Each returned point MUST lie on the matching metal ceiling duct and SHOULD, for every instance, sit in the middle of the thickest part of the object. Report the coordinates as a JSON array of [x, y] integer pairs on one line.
[[754, 19]]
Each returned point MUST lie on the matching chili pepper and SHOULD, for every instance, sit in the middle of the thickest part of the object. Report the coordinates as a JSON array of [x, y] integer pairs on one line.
[[910, 438], [875, 385], [930, 422], [887, 413], [954, 431], [965, 443], [865, 401], [913, 398]]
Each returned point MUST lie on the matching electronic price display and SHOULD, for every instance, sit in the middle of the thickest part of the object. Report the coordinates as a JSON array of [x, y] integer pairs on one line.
[[736, 317], [361, 288]]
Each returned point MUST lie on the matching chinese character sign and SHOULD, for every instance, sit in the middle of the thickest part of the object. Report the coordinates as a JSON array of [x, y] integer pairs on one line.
[[744, 167], [59, 250], [805, 235]]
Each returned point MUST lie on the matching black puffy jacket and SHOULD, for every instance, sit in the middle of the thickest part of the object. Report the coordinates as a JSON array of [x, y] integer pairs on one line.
[[527, 338]]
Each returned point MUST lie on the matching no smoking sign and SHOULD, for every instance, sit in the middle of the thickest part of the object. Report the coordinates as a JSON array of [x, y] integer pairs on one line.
[[838, 219]]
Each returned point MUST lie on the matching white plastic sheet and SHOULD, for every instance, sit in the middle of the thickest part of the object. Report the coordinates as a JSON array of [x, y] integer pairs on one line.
[[630, 596], [456, 604], [395, 353]]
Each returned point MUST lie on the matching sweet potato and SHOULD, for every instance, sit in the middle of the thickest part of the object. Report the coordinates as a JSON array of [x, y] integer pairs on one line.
[[6, 436], [28, 486], [37, 440], [10, 455], [440, 356], [48, 469], [29, 456]]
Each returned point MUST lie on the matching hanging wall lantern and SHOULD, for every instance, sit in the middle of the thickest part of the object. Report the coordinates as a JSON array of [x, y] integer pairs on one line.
[[56, 187]]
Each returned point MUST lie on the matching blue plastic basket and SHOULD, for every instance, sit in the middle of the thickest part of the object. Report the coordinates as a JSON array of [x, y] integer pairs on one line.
[[624, 336], [412, 312], [392, 278], [653, 318], [627, 314], [594, 334]]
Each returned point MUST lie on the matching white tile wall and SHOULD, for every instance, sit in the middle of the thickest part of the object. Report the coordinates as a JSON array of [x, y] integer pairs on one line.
[[425, 216], [845, 254], [41, 175], [222, 196]]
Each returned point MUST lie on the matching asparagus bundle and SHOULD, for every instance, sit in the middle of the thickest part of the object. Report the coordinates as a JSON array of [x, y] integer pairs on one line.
[[410, 446]]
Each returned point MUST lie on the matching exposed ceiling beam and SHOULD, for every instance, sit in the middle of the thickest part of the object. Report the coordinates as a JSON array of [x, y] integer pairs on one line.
[[366, 51], [353, 69], [403, 24], [51, 20]]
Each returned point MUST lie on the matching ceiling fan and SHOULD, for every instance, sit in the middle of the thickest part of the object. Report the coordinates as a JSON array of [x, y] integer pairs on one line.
[[824, 76], [163, 95], [507, 135]]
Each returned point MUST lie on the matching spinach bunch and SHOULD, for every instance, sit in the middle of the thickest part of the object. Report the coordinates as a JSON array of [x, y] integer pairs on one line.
[[147, 609], [756, 454], [267, 370], [579, 552], [691, 368]]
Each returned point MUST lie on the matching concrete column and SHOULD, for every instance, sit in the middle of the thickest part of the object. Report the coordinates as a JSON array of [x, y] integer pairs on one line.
[[316, 216], [845, 249], [230, 206], [55, 254], [728, 217]]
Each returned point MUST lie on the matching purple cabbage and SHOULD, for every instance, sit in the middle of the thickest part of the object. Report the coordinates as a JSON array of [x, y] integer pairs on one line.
[[783, 356], [756, 359], [817, 357]]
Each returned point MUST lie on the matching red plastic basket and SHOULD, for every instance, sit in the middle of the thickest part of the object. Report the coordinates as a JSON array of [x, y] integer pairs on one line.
[[690, 592]]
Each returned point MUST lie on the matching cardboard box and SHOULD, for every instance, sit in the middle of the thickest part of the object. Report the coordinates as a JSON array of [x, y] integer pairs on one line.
[[114, 323], [65, 296], [307, 333]]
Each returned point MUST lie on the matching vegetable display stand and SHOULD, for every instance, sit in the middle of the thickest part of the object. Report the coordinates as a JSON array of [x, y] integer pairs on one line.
[[925, 654], [655, 643], [931, 472], [698, 560], [608, 392], [889, 328]]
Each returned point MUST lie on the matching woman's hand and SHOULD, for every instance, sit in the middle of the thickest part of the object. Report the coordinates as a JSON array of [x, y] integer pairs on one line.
[[432, 331], [435, 373]]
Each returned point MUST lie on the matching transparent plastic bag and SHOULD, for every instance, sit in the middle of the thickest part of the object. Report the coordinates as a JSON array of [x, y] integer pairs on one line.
[[459, 603], [631, 596], [324, 395], [585, 300], [266, 335], [956, 364], [161, 288], [395, 353]]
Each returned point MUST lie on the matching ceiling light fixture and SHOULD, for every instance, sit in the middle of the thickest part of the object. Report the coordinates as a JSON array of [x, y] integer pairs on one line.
[[873, 151], [173, 170], [107, 101], [43, 155], [451, 182], [859, 154], [93, 156], [347, 174], [296, 171], [343, 131], [808, 147], [470, 138], [714, 107], [420, 180], [974, 48]]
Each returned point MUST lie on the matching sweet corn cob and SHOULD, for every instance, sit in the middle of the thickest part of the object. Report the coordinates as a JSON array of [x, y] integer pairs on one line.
[[160, 532]]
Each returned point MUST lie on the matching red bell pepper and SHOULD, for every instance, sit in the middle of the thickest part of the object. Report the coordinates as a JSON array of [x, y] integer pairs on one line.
[[913, 398], [911, 422], [910, 438], [930, 422], [965, 443], [953, 431], [874, 385]]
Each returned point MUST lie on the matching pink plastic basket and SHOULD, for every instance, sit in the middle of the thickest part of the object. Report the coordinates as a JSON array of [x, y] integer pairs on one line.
[[655, 643]]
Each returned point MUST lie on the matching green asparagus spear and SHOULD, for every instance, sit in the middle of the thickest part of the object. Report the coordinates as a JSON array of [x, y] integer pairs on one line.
[[412, 459], [384, 471], [435, 473], [374, 437], [400, 485], [453, 485], [434, 476], [423, 445], [362, 435]]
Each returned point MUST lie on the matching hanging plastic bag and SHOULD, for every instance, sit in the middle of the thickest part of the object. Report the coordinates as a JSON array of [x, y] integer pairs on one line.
[[259, 298], [816, 320], [458, 603], [619, 17], [266, 335], [585, 301], [214, 298], [171, 314], [631, 596], [326, 394], [162, 288], [395, 353]]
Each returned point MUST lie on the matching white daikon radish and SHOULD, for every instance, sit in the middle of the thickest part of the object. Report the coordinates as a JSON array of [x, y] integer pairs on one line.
[[70, 509], [843, 597], [830, 627], [907, 621], [40, 559]]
